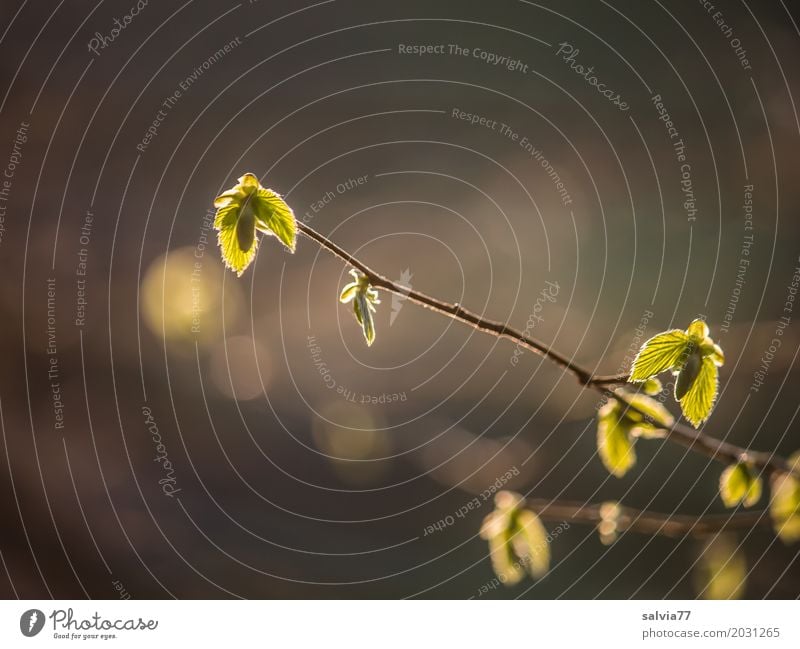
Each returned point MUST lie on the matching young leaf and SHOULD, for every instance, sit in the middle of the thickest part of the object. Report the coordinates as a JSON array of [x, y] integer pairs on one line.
[[275, 217], [701, 394], [739, 484], [233, 241], [242, 210], [694, 357], [505, 564], [652, 387], [518, 542], [662, 352], [697, 330], [785, 504], [363, 296], [614, 444], [619, 423], [530, 543], [721, 571], [652, 408]]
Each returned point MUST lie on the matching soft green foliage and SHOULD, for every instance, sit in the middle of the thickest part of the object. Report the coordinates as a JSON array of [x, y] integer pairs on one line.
[[618, 425], [518, 542], [652, 387], [659, 354], [615, 443], [693, 357], [740, 484], [721, 572], [363, 297], [245, 208], [785, 503]]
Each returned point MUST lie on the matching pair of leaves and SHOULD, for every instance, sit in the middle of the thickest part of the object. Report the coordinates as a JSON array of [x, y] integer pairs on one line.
[[739, 483], [785, 503], [618, 426], [693, 357], [518, 542], [245, 209], [363, 297]]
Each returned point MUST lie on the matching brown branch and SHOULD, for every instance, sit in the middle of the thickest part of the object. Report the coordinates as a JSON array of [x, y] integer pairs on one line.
[[645, 522], [690, 438]]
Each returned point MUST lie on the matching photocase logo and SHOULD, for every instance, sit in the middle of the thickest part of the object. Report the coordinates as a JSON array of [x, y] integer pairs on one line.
[[31, 622], [397, 300]]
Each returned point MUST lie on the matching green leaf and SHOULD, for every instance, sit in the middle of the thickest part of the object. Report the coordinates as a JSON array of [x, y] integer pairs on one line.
[[242, 210], [364, 309], [275, 217], [721, 571], [662, 352], [518, 542], [739, 484], [713, 351], [697, 330], [652, 387], [348, 292], [652, 408], [785, 504], [233, 240], [699, 398], [614, 443], [363, 296], [530, 543], [505, 564]]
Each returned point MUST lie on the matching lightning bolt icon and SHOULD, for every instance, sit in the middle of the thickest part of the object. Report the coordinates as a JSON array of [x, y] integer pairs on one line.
[[397, 300], [34, 617]]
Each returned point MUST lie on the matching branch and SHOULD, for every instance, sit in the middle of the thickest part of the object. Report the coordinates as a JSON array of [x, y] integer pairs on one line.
[[690, 438], [644, 522]]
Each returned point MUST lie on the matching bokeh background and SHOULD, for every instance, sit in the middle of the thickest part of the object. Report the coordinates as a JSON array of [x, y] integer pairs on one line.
[[224, 437]]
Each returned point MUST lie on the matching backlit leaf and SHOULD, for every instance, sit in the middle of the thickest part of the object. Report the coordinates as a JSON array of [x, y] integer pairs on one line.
[[721, 572], [518, 542], [230, 239], [739, 484], [507, 567], [652, 387], [614, 444], [699, 398], [275, 217], [650, 407], [530, 543], [785, 504], [363, 296], [662, 352], [697, 330], [242, 210]]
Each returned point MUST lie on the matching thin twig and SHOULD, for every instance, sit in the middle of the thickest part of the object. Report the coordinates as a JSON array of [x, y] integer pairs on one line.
[[645, 522], [695, 440]]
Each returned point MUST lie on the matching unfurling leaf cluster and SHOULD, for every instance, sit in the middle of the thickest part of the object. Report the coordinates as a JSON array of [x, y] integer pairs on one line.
[[363, 296], [693, 357], [518, 542], [739, 483], [618, 426], [243, 210]]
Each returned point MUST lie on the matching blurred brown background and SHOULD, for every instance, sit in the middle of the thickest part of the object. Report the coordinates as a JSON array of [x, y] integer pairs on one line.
[[294, 460]]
